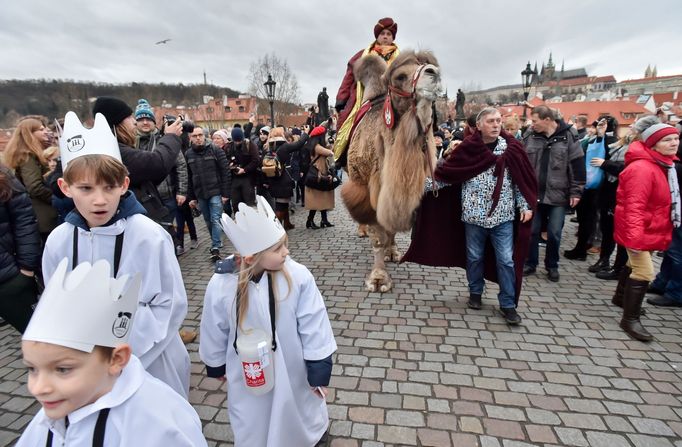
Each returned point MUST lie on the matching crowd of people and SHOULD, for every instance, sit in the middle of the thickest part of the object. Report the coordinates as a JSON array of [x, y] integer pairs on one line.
[[94, 219]]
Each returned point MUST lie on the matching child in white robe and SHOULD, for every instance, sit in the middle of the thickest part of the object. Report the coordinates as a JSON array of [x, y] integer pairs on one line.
[[109, 223], [93, 391], [294, 411]]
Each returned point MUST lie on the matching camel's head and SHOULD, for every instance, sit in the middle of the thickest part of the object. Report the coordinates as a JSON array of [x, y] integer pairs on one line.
[[413, 73]]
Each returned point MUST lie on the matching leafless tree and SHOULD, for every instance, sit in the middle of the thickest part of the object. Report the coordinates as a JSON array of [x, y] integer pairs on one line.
[[287, 89]]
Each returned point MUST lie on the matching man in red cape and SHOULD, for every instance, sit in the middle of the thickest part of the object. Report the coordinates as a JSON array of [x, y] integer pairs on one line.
[[439, 232]]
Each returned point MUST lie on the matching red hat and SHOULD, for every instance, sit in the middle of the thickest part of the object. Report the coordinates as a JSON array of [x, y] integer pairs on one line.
[[654, 133], [385, 23]]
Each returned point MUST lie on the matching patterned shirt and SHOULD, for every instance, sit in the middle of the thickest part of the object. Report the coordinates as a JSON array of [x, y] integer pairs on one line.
[[477, 196]]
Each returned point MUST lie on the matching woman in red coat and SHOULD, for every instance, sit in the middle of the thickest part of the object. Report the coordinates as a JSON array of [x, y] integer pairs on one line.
[[647, 208]]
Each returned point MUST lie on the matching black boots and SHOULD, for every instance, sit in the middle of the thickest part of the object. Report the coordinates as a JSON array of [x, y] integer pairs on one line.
[[633, 295], [576, 254], [311, 224], [620, 288], [602, 264]]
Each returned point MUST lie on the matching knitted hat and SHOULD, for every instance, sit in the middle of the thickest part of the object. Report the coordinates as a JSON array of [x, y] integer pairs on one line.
[[237, 134], [653, 134], [319, 130], [265, 129], [144, 110], [385, 23], [222, 133], [113, 109]]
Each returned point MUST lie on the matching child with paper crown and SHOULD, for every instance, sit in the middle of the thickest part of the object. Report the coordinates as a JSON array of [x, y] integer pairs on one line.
[[276, 384], [93, 391], [109, 223]]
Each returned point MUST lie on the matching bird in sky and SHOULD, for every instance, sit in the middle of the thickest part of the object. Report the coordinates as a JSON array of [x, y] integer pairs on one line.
[[162, 41]]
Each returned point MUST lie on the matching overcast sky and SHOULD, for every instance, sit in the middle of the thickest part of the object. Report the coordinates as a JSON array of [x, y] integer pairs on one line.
[[484, 42]]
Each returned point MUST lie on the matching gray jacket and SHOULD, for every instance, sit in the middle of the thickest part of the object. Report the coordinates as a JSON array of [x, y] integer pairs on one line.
[[559, 165]]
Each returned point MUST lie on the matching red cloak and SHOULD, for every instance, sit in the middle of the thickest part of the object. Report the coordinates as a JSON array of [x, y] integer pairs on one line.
[[438, 234]]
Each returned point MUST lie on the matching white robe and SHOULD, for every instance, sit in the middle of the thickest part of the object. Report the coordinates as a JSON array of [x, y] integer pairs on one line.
[[290, 414], [147, 249], [144, 412]]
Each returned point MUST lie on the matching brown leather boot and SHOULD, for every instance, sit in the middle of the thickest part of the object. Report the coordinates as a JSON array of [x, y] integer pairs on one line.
[[620, 288], [632, 305], [287, 222]]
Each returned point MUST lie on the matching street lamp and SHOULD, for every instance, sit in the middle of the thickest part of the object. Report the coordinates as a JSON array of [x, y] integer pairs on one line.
[[526, 79], [270, 90]]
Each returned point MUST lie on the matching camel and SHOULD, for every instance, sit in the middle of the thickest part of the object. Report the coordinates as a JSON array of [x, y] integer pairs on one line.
[[391, 152]]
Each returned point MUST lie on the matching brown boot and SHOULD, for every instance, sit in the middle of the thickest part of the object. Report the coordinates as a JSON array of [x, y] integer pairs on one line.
[[620, 288], [632, 305], [287, 222], [187, 336]]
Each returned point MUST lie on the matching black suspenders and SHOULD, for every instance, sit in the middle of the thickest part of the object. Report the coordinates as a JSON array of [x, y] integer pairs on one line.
[[271, 299], [118, 248], [97, 436]]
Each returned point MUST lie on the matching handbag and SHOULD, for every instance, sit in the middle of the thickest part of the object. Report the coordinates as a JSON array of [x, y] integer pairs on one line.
[[315, 180], [270, 166], [595, 174]]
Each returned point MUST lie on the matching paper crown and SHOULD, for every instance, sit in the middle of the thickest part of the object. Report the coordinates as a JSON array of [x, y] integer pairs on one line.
[[253, 230], [85, 308], [76, 140]]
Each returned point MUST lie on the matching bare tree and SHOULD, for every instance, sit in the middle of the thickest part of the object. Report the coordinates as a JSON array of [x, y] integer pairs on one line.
[[287, 89]]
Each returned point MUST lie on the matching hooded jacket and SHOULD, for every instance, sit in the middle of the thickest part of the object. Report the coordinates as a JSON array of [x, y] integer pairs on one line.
[[642, 218], [559, 165]]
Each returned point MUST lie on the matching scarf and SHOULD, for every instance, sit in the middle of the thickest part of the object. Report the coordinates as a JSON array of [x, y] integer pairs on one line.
[[385, 51], [668, 162]]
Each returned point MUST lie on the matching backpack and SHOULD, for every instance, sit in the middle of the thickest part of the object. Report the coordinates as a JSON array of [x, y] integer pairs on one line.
[[270, 166]]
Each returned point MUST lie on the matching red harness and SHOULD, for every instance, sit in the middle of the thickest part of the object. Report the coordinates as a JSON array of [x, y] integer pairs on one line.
[[389, 112]]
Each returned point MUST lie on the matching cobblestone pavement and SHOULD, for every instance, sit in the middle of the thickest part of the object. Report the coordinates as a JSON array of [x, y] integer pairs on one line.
[[417, 367]]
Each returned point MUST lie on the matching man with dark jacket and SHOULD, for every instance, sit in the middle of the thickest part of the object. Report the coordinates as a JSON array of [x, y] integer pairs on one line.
[[209, 185], [173, 189], [244, 161], [559, 165]]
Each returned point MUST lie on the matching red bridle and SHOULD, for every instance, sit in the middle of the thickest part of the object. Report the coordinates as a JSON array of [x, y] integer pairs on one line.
[[389, 113]]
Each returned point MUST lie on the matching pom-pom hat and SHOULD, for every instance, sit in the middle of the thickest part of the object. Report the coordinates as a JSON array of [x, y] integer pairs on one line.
[[144, 110], [75, 140], [655, 133], [253, 229], [385, 23], [85, 308]]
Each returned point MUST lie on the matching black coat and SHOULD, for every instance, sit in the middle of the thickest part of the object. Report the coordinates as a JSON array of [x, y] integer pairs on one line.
[[247, 159], [208, 172], [19, 237], [282, 187]]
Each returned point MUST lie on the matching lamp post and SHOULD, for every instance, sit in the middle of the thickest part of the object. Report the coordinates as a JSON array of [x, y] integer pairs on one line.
[[526, 79], [270, 90]]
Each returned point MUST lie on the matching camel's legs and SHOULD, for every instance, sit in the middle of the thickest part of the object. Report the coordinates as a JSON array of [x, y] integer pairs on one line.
[[379, 280], [362, 230], [391, 253]]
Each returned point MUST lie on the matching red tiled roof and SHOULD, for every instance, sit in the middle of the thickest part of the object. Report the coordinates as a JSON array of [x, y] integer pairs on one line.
[[626, 112], [632, 81], [660, 98], [608, 78]]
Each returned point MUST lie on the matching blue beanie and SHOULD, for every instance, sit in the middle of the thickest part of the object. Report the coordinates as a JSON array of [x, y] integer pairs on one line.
[[237, 134], [144, 110]]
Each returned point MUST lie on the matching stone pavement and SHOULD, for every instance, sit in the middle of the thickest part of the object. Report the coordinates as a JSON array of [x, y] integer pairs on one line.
[[417, 367]]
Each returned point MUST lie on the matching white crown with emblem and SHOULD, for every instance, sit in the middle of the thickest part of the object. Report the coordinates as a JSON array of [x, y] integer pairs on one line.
[[253, 229], [76, 140], [85, 308]]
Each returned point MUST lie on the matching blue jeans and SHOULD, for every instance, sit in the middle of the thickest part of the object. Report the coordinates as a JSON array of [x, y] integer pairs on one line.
[[212, 210], [669, 278], [172, 206], [554, 216], [502, 240]]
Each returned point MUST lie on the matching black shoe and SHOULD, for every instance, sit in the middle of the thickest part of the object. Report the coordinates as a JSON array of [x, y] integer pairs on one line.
[[542, 242], [215, 254], [528, 270], [655, 290], [474, 301], [311, 224], [610, 274], [602, 264], [575, 254], [326, 224], [510, 316], [664, 301], [553, 275]]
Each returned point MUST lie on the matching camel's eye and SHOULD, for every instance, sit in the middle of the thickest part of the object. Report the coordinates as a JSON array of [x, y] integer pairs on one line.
[[401, 77]]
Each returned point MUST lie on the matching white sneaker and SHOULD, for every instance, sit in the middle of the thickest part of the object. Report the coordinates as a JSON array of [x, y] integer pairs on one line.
[[179, 250]]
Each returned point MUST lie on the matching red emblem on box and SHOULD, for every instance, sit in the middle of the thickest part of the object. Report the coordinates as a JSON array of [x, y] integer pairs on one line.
[[253, 373]]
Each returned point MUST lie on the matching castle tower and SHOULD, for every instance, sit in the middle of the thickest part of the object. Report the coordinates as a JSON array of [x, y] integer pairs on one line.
[[647, 72]]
